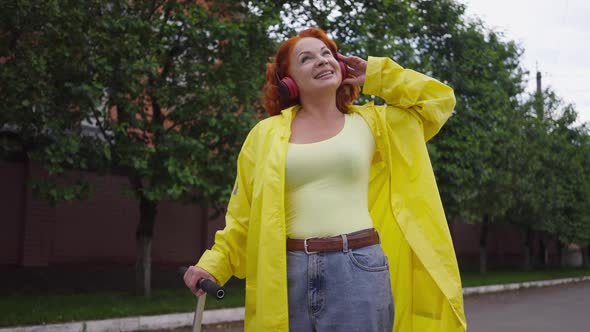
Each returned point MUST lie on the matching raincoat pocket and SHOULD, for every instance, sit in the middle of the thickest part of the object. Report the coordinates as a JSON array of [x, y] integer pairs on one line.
[[427, 299]]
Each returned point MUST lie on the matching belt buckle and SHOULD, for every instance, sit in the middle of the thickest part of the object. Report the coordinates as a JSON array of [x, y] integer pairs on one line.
[[305, 248]]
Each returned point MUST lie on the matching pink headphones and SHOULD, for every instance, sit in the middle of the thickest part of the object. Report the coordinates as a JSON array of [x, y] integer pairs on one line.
[[288, 88]]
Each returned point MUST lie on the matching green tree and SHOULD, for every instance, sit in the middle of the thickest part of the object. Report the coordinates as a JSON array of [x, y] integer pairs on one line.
[[527, 167], [564, 184], [161, 92], [549, 180]]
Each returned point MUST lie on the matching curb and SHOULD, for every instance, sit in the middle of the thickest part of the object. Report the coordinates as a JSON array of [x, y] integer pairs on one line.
[[139, 323], [171, 321], [467, 291]]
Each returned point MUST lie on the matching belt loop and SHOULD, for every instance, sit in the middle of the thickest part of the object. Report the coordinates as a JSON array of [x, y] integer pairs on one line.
[[344, 242]]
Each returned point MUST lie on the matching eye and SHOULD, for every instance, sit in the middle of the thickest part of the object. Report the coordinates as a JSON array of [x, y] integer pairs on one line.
[[303, 59], [327, 52]]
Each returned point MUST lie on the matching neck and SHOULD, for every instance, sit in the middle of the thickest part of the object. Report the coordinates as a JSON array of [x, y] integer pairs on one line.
[[320, 106]]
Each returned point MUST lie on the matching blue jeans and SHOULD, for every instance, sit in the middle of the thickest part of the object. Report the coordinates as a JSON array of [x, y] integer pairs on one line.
[[340, 291]]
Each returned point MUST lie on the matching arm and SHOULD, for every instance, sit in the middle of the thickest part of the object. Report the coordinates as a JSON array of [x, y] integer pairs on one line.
[[227, 257], [432, 101]]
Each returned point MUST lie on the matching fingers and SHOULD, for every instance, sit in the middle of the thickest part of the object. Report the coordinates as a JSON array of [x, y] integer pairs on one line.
[[342, 57], [347, 58], [190, 279], [357, 69], [352, 61], [192, 276], [355, 80]]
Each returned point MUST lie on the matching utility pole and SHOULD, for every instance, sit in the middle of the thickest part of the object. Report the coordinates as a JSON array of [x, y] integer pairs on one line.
[[539, 96]]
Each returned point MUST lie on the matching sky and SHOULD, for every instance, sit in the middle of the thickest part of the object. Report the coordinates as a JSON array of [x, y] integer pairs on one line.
[[555, 36]]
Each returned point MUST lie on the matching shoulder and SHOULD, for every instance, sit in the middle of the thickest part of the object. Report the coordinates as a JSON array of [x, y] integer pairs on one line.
[[370, 112], [267, 124], [367, 109], [357, 121], [391, 119], [264, 127], [391, 115], [263, 131]]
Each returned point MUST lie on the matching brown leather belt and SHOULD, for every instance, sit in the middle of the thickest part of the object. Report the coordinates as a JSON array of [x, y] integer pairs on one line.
[[358, 239]]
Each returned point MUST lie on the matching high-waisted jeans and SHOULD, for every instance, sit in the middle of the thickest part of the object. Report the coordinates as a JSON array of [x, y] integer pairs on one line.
[[340, 291]]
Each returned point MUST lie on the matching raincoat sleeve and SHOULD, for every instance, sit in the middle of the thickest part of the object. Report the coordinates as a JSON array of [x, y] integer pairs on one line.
[[227, 257], [432, 101]]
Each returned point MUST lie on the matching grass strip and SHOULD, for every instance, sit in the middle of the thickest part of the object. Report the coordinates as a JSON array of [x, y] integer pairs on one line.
[[48, 308], [473, 279]]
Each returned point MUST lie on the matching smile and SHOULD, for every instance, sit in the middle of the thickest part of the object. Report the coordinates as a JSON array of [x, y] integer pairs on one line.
[[324, 74]]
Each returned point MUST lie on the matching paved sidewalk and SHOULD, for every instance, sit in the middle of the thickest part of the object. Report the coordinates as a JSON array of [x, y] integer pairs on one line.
[[543, 309], [210, 317]]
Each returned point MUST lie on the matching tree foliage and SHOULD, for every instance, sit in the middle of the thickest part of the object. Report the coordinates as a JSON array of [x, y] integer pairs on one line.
[[161, 92]]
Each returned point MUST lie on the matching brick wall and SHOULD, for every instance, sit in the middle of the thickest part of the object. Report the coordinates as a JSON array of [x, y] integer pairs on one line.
[[93, 231], [101, 230], [11, 211]]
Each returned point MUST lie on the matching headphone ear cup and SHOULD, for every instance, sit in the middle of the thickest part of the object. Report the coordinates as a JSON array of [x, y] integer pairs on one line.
[[287, 87], [292, 88], [283, 89], [343, 69]]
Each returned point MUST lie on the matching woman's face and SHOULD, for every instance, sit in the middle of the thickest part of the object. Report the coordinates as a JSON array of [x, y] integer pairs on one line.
[[314, 67]]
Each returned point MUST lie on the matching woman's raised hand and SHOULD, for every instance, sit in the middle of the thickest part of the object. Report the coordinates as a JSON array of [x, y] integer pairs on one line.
[[356, 68]]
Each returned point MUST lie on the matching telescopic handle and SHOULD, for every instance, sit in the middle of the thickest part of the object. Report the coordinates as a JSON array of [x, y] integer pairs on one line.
[[209, 286]]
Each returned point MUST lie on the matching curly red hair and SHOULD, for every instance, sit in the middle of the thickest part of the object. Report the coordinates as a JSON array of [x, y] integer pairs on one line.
[[273, 102]]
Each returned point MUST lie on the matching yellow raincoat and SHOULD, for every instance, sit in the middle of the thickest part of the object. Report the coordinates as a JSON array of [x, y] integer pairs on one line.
[[404, 204]]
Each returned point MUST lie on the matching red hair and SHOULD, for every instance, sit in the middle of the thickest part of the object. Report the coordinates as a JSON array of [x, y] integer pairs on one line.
[[273, 102]]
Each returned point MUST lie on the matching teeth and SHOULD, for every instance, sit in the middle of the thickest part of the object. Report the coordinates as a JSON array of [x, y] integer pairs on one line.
[[324, 74]]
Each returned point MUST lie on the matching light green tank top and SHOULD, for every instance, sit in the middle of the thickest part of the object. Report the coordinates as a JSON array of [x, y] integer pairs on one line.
[[327, 183]]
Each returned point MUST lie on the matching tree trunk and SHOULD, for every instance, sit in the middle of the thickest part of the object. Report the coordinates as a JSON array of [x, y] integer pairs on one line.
[[542, 252], [143, 266], [483, 241], [25, 207], [204, 228], [143, 236], [563, 252], [546, 261], [528, 250]]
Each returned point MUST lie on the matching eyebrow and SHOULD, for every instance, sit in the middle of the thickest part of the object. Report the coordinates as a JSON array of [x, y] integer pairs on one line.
[[302, 52]]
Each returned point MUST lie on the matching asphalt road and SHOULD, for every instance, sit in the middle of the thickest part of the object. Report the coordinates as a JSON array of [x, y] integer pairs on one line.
[[548, 309]]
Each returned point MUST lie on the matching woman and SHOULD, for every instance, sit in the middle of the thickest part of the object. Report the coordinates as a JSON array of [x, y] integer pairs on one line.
[[335, 211]]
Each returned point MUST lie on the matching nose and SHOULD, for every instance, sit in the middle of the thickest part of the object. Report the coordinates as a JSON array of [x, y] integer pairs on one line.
[[322, 61]]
